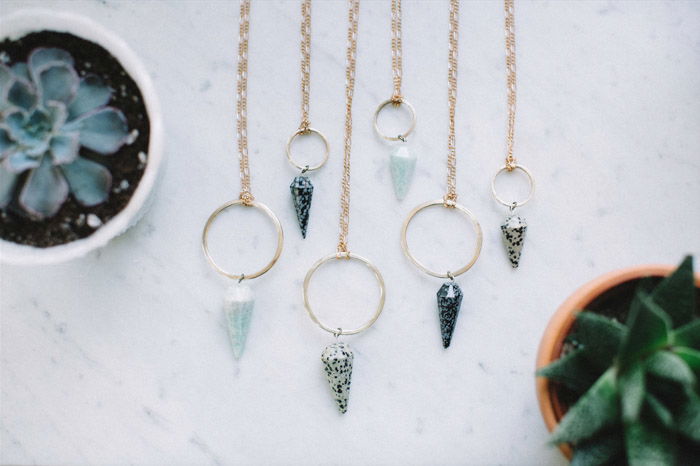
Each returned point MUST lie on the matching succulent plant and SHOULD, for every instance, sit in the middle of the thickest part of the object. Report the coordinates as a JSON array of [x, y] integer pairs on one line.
[[47, 113], [636, 383]]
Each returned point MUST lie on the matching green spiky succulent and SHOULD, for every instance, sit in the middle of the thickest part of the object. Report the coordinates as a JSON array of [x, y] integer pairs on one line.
[[635, 385]]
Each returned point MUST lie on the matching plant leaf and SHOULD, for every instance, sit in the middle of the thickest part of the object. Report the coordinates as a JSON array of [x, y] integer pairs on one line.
[[604, 448], [103, 130], [92, 93], [8, 180], [688, 335], [658, 410], [596, 410], [670, 366], [676, 293], [691, 358], [649, 445], [89, 181], [44, 191], [632, 385], [600, 336], [689, 419], [572, 371], [58, 83], [649, 330]]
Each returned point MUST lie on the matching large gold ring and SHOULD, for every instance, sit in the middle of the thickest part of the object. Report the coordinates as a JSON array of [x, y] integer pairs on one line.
[[344, 256], [417, 263], [302, 132], [530, 180], [259, 206], [400, 101]]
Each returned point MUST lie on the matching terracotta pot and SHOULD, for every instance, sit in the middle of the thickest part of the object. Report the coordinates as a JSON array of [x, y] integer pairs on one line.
[[561, 323]]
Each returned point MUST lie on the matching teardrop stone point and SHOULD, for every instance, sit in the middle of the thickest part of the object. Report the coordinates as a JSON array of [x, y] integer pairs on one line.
[[337, 360], [402, 164], [513, 230], [238, 309], [449, 301]]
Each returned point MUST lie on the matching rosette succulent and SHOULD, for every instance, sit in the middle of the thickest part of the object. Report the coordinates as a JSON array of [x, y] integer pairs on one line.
[[47, 113]]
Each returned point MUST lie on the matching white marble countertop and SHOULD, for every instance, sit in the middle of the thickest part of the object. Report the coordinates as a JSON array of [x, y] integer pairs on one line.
[[122, 357]]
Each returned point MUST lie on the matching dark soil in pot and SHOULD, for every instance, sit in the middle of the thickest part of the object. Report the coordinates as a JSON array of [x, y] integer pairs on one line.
[[75, 221]]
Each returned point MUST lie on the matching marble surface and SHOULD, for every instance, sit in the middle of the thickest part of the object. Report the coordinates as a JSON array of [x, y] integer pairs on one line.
[[122, 357]]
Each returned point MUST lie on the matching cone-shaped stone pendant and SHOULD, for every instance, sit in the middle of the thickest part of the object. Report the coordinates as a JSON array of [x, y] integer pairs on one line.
[[238, 307], [302, 190], [513, 230], [337, 360], [403, 163], [449, 300]]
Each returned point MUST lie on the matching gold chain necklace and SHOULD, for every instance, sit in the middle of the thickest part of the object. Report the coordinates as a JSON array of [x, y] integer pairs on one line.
[[338, 357], [402, 161], [449, 296], [301, 188], [514, 227], [239, 299]]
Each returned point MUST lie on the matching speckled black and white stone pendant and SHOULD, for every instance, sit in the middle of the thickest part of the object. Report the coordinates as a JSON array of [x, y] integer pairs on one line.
[[513, 230], [238, 308], [337, 361], [449, 300], [302, 191]]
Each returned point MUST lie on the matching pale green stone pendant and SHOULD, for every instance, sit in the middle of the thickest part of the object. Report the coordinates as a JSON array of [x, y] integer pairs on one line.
[[403, 163], [238, 308]]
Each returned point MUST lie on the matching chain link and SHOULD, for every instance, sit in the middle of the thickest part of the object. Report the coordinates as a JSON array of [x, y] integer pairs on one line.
[[353, 17], [396, 49], [305, 63], [451, 196], [242, 102], [509, 6]]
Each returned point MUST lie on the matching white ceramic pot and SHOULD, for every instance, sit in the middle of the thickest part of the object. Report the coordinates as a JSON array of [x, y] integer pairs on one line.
[[24, 22]]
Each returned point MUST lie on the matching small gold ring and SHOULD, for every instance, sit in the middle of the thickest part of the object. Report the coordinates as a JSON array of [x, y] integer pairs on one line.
[[302, 132], [530, 180], [417, 263], [259, 206], [392, 101], [338, 330]]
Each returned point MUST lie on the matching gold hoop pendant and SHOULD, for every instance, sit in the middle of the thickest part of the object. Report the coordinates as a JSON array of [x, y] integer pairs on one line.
[[514, 227], [399, 102], [530, 180], [302, 189], [304, 132], [257, 205], [337, 331], [449, 296], [419, 264]]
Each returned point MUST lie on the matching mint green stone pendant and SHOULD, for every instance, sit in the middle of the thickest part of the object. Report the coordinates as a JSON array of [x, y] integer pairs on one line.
[[403, 164], [238, 308]]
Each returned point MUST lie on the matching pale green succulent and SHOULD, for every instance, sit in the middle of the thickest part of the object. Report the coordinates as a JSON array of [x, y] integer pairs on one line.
[[47, 113]]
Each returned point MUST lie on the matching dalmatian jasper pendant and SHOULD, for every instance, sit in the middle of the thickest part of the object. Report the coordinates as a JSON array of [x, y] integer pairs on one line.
[[513, 230], [449, 301], [302, 191], [238, 308], [337, 360]]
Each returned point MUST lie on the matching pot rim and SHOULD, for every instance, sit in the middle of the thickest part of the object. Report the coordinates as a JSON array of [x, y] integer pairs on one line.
[[25, 21], [563, 319]]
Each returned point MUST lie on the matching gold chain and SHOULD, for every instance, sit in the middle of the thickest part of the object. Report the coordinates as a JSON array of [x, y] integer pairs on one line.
[[305, 63], [451, 196], [510, 71], [242, 102], [350, 56], [396, 49]]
